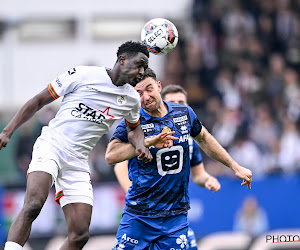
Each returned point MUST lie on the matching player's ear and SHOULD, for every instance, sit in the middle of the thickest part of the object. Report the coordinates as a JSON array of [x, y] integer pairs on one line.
[[121, 60], [159, 86]]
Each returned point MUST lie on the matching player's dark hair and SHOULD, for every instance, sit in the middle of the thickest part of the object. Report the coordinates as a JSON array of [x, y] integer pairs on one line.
[[149, 73], [172, 89], [131, 49]]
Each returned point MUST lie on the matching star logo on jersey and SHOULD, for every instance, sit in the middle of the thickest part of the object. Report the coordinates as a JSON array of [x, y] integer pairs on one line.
[[83, 111], [121, 100], [106, 111], [166, 129]]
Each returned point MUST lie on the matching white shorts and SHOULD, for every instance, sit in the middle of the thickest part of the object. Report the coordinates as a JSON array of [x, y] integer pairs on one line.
[[69, 174]]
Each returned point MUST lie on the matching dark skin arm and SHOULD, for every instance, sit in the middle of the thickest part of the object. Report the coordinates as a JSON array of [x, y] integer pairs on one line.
[[136, 138], [24, 114]]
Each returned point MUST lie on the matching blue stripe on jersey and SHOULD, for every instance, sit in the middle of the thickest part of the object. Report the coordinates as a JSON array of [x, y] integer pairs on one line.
[[160, 188]]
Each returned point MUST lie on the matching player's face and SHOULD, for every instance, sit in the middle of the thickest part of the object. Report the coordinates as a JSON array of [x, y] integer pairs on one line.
[[149, 91], [176, 98], [132, 69]]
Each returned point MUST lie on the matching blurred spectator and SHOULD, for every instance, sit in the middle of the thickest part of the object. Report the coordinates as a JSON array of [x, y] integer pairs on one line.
[[263, 129], [229, 92], [292, 94], [289, 156], [226, 125], [251, 218], [246, 153]]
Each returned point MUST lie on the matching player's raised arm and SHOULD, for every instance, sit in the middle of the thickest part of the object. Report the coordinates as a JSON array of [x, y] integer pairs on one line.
[[118, 151], [214, 150], [136, 138], [24, 114]]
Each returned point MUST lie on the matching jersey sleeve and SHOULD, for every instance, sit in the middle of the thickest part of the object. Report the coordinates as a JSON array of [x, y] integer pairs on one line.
[[196, 125], [120, 132], [133, 117], [196, 156], [64, 83]]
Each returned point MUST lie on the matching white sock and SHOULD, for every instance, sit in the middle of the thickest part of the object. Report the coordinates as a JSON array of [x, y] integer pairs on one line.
[[10, 245]]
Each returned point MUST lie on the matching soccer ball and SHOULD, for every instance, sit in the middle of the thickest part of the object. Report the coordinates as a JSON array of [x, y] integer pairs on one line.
[[160, 36]]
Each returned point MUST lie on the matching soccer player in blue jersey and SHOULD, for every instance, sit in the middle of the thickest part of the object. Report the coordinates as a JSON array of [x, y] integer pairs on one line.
[[157, 202], [177, 94]]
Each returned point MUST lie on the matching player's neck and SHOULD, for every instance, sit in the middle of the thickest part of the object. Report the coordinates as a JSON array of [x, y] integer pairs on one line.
[[114, 77]]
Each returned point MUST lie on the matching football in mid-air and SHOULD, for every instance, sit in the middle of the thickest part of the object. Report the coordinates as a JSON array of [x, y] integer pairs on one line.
[[160, 36]]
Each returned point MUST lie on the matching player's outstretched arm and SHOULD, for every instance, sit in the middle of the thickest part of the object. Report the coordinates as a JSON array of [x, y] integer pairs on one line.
[[118, 151], [204, 179], [214, 150], [24, 114], [121, 172]]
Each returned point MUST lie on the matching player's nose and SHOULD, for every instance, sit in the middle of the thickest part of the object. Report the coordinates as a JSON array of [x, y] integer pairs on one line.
[[141, 71]]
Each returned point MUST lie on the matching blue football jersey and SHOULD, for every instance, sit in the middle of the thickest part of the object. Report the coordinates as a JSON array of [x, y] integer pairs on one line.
[[195, 153], [160, 188]]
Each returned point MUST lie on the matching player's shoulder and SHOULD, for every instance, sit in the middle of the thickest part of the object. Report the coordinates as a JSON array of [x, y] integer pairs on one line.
[[178, 107]]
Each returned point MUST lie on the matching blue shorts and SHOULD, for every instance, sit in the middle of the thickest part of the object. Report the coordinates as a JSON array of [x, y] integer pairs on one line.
[[145, 232], [191, 240]]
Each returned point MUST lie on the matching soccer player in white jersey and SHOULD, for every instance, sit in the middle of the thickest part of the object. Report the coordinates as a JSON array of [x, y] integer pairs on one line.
[[93, 98], [176, 94]]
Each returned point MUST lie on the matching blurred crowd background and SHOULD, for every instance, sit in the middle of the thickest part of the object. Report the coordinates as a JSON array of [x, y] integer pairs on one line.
[[239, 62]]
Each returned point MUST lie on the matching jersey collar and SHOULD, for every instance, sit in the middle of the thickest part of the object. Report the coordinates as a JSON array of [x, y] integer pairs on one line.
[[148, 117]]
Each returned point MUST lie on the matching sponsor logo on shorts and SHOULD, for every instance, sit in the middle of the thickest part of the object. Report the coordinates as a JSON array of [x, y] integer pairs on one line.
[[129, 239], [120, 247], [181, 241]]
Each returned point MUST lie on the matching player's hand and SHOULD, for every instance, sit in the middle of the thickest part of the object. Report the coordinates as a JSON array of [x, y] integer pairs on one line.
[[4, 139], [163, 140], [143, 154], [245, 174], [212, 184]]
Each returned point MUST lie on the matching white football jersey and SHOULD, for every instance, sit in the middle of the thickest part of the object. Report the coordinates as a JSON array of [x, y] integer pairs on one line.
[[91, 104]]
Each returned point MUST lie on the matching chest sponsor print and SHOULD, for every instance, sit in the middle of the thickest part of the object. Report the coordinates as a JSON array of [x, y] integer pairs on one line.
[[83, 111]]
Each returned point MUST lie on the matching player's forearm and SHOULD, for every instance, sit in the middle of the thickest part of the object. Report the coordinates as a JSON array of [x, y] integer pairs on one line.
[[200, 180], [23, 115], [118, 151], [214, 150], [136, 137], [27, 111]]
